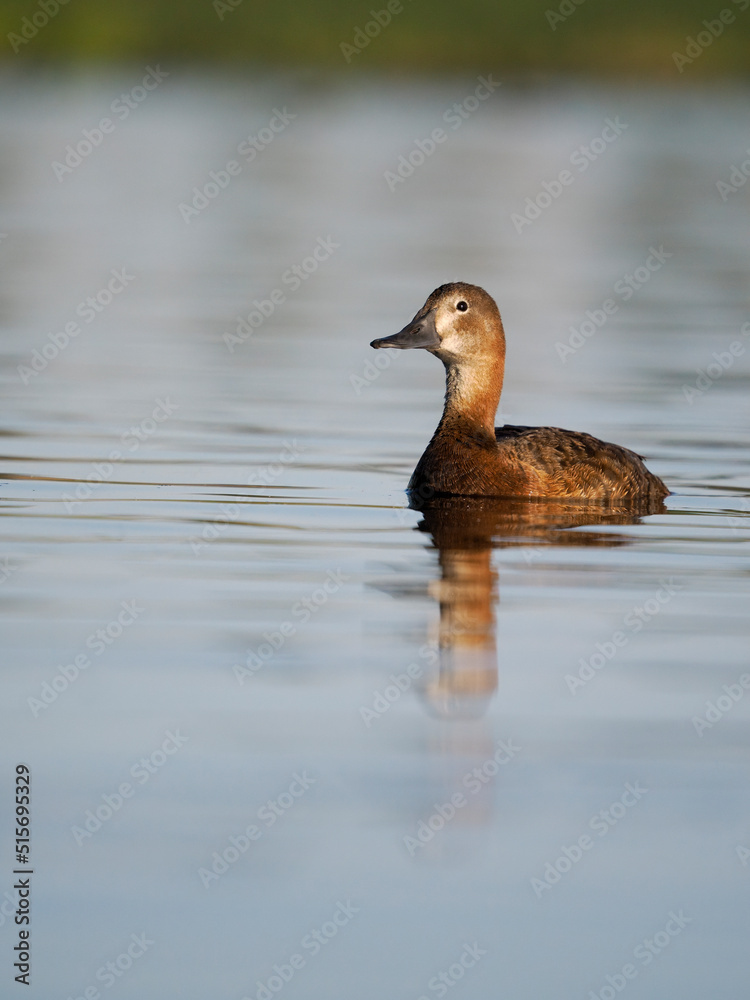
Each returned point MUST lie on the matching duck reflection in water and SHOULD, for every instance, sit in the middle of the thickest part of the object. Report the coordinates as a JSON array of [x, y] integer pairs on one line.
[[465, 530]]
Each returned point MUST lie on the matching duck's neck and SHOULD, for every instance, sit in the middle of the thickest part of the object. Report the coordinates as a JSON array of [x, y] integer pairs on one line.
[[472, 394]]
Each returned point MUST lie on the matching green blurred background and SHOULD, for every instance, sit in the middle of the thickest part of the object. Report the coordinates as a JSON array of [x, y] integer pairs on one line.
[[607, 37]]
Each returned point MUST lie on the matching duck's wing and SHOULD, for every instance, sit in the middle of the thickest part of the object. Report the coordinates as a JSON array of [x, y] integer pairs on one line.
[[570, 463]]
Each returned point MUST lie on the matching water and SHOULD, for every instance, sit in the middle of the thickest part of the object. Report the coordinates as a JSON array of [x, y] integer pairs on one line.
[[235, 521]]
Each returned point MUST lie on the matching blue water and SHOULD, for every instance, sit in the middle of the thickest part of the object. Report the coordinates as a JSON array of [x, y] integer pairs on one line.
[[323, 745]]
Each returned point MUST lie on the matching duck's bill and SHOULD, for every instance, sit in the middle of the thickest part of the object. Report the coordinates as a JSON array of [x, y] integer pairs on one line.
[[419, 333]]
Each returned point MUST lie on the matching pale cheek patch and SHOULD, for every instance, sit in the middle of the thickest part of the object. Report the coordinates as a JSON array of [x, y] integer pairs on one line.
[[449, 340], [443, 324]]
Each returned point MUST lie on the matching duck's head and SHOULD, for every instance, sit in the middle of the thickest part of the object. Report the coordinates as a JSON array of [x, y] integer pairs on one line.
[[459, 323]]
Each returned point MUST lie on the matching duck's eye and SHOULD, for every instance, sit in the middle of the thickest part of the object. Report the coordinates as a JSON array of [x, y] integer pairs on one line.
[[462, 306]]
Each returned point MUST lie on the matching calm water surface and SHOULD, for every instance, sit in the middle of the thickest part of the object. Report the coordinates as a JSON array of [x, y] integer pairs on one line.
[[308, 741]]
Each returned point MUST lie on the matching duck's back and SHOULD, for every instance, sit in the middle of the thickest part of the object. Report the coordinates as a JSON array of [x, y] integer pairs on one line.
[[534, 461], [571, 463]]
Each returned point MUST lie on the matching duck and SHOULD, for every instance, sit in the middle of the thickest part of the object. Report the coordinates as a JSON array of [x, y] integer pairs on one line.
[[468, 456]]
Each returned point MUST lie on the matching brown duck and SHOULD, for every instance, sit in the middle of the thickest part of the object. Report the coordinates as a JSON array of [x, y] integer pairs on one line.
[[460, 324]]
